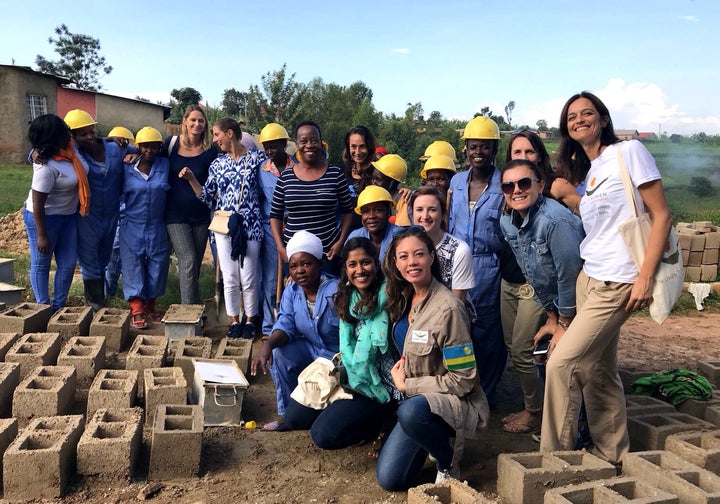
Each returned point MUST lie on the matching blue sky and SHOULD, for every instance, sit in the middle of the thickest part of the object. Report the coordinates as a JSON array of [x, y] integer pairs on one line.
[[653, 63]]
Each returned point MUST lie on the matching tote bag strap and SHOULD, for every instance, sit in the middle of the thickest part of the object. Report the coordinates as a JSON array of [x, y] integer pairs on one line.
[[627, 184]]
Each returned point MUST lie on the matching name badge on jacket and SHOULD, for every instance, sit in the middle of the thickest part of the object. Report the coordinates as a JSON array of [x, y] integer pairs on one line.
[[419, 336]]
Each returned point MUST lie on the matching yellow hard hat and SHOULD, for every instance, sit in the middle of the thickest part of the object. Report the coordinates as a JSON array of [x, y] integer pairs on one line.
[[148, 135], [372, 194], [392, 166], [122, 132], [76, 119], [439, 147], [273, 131], [481, 128], [437, 162]]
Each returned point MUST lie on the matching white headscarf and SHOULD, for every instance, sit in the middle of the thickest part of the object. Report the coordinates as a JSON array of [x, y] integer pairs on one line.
[[304, 241]]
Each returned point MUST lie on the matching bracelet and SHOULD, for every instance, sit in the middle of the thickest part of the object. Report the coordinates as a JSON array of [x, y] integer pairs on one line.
[[564, 325]]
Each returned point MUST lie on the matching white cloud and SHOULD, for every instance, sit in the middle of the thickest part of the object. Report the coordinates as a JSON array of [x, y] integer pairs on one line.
[[400, 50], [691, 19], [153, 96]]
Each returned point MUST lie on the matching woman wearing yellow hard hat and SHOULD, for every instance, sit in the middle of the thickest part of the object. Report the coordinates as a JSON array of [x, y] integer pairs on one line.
[[144, 247], [374, 206], [389, 172], [437, 171], [475, 209]]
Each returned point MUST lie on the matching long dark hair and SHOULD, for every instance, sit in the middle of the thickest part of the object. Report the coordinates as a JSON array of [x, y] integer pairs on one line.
[[573, 163], [228, 123], [369, 140], [396, 284], [48, 134], [544, 169], [367, 303]]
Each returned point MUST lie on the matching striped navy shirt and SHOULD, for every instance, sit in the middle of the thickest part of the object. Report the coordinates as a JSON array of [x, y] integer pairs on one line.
[[314, 206]]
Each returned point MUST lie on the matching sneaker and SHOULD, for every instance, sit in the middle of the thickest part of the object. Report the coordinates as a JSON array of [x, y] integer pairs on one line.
[[234, 331], [442, 475], [248, 331]]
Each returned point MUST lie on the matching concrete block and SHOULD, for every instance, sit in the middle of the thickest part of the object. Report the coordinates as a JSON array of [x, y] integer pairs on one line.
[[648, 432], [71, 321], [629, 375], [41, 460], [33, 350], [112, 389], [176, 442], [9, 380], [182, 321], [188, 348], [7, 270], [25, 318], [48, 390], [114, 324], [710, 256], [449, 491], [163, 386], [712, 414], [685, 256], [695, 258], [712, 240], [708, 272], [646, 405], [613, 491], [146, 352], [238, 350], [87, 354], [697, 408], [10, 294], [7, 340], [667, 471], [110, 446], [523, 478], [699, 448], [698, 243], [710, 369], [693, 273], [8, 433]]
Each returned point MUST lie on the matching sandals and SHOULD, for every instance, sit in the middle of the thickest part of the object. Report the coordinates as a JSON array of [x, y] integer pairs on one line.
[[154, 316], [516, 426], [138, 321]]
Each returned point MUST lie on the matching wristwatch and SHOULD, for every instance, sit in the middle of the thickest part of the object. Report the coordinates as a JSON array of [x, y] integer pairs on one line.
[[562, 324]]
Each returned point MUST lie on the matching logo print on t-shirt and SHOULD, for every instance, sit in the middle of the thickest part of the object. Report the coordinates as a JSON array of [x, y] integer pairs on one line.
[[590, 192]]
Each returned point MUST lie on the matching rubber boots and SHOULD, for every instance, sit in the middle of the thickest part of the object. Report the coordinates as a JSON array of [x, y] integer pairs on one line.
[[95, 293]]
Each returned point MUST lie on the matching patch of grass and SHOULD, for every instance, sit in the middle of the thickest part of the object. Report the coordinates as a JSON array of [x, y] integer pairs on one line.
[[15, 181]]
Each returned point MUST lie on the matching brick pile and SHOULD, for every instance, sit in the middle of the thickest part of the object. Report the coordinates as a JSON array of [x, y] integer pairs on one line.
[[700, 245]]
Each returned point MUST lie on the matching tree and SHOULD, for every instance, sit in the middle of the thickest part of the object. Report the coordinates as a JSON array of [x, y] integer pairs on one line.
[[235, 102], [181, 99], [541, 125], [508, 111], [702, 187], [277, 99], [80, 59]]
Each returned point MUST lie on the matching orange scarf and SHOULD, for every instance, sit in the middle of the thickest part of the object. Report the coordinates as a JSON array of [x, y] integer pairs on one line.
[[68, 154]]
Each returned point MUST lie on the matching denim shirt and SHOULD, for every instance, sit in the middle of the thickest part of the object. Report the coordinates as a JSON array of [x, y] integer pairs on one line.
[[547, 247], [322, 329], [390, 231], [106, 181], [480, 229]]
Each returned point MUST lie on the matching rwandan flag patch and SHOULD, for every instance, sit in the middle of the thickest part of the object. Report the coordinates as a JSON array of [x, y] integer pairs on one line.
[[459, 357]]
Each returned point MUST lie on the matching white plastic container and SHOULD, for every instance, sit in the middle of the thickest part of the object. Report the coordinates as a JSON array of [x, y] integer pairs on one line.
[[219, 387]]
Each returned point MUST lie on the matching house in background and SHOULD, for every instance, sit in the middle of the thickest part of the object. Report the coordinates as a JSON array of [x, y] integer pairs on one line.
[[26, 94], [647, 137], [626, 134]]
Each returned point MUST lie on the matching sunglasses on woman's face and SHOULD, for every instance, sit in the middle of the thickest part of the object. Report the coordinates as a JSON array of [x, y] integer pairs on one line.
[[523, 184]]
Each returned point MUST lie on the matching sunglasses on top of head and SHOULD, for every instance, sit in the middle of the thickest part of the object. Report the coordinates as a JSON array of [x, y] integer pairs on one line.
[[523, 184]]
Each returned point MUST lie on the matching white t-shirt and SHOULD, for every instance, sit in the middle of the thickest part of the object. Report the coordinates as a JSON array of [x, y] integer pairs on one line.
[[604, 207], [455, 262], [59, 181]]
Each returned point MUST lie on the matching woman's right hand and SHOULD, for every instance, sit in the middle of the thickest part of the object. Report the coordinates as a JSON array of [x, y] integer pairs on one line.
[[262, 360], [43, 244]]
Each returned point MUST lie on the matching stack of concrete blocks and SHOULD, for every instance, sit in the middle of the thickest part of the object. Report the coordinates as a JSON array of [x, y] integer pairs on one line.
[[71, 321], [41, 460], [112, 389], [523, 478], [25, 318], [176, 444], [163, 386], [10, 293], [675, 475], [146, 352], [8, 433], [110, 446], [87, 354], [611, 491], [648, 432], [238, 350], [9, 380], [182, 321], [33, 350], [189, 348], [47, 391], [628, 376], [7, 340], [699, 448], [636, 405], [449, 491], [700, 244], [114, 324]]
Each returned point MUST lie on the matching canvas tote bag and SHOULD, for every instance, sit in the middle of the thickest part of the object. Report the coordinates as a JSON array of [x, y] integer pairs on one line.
[[635, 231]]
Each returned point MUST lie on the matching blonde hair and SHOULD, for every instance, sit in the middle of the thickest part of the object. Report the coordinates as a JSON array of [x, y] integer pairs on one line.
[[206, 140]]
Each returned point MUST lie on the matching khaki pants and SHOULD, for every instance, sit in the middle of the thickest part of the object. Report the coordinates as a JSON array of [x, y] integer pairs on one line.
[[585, 361], [521, 319]]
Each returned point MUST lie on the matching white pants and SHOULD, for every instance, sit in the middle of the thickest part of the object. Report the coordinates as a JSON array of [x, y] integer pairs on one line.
[[239, 280]]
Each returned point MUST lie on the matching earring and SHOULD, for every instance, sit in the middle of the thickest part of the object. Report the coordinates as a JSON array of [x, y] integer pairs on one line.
[[348, 284]]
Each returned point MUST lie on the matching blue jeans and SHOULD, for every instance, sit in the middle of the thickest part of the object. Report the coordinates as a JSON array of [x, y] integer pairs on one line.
[[95, 247], [114, 267], [490, 351], [343, 423], [268, 258], [62, 233], [417, 433]]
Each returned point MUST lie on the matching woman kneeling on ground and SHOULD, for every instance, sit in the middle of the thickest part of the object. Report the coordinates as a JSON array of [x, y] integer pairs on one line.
[[437, 371], [367, 356]]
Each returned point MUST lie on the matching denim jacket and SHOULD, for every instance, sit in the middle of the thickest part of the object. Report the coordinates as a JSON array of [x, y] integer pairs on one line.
[[546, 244]]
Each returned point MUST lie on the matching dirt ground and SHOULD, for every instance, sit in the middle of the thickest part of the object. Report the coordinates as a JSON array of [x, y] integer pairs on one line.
[[252, 466]]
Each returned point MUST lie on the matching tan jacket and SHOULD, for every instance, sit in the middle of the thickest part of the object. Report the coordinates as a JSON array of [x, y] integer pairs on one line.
[[441, 321]]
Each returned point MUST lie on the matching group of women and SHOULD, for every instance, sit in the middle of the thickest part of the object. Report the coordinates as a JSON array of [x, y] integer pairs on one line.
[[422, 316]]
